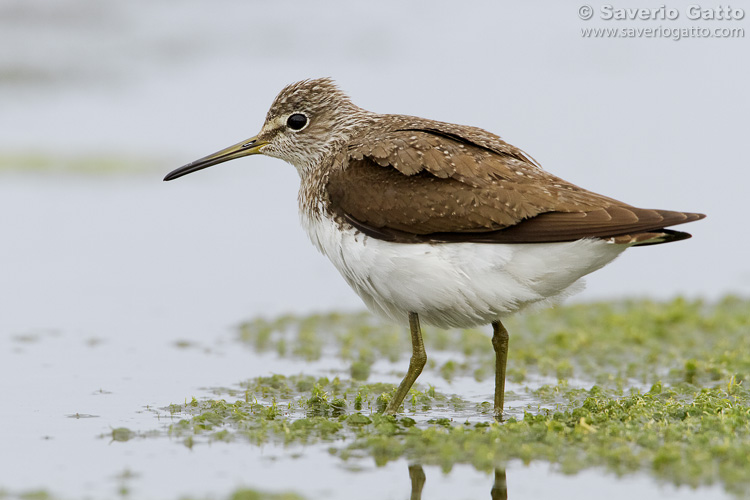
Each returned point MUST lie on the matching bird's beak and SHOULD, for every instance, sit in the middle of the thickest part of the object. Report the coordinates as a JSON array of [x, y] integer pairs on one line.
[[249, 147]]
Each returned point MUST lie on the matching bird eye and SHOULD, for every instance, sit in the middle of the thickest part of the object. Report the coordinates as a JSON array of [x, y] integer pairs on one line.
[[297, 121]]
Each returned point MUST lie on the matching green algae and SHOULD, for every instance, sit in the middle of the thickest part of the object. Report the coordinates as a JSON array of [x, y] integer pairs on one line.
[[103, 163], [122, 434], [685, 435], [124, 492], [609, 343], [251, 494], [666, 394], [292, 410], [35, 495], [636, 387]]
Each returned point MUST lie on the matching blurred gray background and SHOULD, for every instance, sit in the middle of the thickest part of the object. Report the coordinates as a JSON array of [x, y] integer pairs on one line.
[[98, 100], [118, 290]]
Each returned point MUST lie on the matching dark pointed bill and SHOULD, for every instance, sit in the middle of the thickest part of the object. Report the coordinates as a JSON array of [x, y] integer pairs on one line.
[[245, 148]]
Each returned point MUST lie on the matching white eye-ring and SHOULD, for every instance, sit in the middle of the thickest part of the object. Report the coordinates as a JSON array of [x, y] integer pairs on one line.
[[297, 121]]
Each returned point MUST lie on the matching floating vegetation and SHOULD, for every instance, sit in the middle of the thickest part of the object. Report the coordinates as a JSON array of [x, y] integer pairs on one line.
[[250, 494], [667, 393], [90, 164], [621, 343], [685, 435], [123, 492], [635, 387]]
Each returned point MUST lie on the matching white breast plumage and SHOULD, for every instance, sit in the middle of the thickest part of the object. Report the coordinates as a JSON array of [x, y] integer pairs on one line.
[[456, 284]]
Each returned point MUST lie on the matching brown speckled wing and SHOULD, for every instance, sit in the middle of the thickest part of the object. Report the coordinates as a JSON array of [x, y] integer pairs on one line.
[[415, 185]]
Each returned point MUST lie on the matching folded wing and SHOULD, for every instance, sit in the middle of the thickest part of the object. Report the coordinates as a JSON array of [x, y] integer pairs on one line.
[[416, 185]]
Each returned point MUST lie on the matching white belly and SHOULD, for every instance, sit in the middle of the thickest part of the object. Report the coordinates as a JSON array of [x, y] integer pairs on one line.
[[456, 284]]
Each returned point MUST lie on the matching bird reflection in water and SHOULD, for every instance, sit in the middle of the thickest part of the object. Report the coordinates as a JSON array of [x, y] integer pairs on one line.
[[499, 489]]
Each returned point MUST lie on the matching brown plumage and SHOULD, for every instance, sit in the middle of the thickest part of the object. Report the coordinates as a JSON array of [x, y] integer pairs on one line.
[[414, 180], [415, 187]]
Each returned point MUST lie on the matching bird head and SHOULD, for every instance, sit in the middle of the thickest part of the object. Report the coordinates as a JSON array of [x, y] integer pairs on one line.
[[304, 125]]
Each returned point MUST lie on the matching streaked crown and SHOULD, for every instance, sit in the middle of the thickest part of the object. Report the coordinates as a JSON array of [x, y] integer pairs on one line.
[[307, 121]]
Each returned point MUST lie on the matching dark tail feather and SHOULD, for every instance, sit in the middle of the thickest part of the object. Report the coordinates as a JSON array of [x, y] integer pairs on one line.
[[657, 238]]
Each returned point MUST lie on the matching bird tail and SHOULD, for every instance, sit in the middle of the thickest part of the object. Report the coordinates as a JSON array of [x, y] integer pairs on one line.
[[651, 238]]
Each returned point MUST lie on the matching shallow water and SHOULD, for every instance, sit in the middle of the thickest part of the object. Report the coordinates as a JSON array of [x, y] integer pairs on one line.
[[117, 305], [103, 274], [64, 392]]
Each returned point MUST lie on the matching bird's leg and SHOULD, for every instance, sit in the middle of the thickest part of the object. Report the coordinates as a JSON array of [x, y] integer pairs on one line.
[[417, 362], [500, 486], [500, 343], [416, 474]]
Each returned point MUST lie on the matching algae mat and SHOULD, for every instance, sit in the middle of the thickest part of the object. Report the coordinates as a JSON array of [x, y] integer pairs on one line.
[[621, 389]]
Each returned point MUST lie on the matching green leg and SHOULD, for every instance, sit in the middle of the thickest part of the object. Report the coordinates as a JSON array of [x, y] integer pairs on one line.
[[417, 362], [416, 474], [500, 343], [500, 487]]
